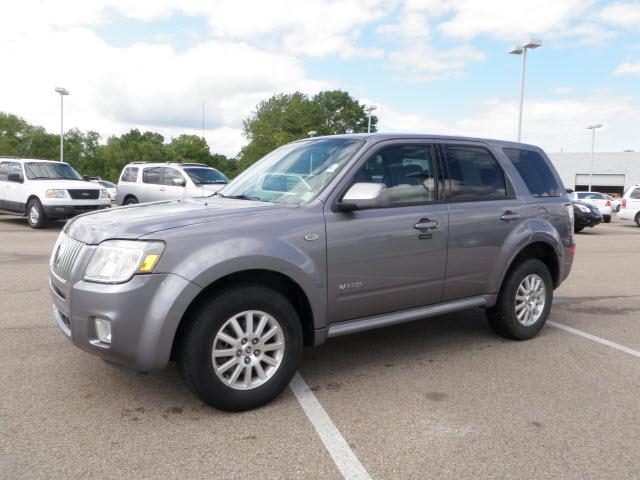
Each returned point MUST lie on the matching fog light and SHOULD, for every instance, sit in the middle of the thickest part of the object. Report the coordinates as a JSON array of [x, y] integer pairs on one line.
[[103, 330]]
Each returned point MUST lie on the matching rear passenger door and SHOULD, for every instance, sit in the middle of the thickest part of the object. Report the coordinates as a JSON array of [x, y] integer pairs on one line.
[[152, 183], [483, 212]]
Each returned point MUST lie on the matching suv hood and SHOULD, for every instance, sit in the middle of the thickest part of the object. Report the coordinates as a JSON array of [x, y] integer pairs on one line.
[[67, 184], [135, 221]]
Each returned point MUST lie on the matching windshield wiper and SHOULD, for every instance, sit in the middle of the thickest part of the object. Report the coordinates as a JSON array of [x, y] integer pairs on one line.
[[238, 197]]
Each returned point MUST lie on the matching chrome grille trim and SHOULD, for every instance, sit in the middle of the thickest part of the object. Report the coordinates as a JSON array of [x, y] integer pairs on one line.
[[65, 256]]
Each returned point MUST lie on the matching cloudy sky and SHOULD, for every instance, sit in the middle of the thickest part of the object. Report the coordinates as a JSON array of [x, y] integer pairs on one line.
[[433, 66]]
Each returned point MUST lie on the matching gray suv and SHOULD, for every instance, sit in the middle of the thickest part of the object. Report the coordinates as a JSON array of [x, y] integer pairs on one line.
[[322, 237]]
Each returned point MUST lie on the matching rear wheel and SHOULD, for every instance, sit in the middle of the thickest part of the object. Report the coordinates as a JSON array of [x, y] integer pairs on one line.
[[638, 219], [131, 201], [578, 229], [606, 218], [35, 214], [242, 348], [524, 301]]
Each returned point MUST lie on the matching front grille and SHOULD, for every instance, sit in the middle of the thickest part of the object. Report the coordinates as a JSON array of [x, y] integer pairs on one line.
[[65, 256], [84, 194]]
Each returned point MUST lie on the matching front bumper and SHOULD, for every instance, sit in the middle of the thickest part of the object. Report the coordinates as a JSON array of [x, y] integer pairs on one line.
[[144, 314], [68, 211]]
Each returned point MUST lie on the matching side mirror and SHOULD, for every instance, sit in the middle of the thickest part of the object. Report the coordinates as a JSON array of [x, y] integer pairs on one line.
[[178, 182], [362, 196], [15, 177]]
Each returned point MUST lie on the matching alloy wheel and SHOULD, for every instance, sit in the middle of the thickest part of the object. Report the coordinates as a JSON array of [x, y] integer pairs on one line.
[[530, 299]]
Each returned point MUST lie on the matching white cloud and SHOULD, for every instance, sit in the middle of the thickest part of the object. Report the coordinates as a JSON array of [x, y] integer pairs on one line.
[[622, 14], [627, 68], [424, 63], [551, 124]]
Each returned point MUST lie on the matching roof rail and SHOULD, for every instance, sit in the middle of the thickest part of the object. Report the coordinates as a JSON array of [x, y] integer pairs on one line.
[[189, 164], [136, 163]]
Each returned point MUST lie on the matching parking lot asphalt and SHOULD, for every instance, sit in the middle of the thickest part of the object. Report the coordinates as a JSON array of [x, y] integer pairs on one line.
[[442, 397]]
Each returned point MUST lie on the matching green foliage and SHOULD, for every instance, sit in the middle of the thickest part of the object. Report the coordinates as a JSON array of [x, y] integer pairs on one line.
[[287, 117]]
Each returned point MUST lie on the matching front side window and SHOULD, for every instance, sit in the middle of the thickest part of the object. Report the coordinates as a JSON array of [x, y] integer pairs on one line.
[[534, 171], [171, 174], [50, 171], [635, 194], [474, 174], [407, 171], [152, 175], [294, 173], [206, 176]]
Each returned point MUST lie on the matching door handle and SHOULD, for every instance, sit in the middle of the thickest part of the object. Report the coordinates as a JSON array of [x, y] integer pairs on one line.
[[509, 215], [162, 189], [426, 224]]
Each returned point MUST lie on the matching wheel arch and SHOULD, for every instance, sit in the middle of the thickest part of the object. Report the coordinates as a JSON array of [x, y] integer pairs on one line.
[[281, 282], [541, 250]]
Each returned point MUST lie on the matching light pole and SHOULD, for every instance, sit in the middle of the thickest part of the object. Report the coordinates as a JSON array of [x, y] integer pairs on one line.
[[62, 92], [593, 128], [522, 50], [369, 109]]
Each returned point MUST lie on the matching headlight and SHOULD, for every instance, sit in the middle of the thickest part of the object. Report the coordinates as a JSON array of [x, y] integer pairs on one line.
[[104, 193], [116, 261], [582, 208], [57, 194]]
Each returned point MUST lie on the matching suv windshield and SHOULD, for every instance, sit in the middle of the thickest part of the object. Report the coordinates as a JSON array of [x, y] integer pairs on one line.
[[294, 173], [206, 176], [50, 171]]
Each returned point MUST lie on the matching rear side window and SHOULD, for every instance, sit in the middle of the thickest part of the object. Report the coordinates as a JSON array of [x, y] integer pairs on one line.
[[130, 174], [474, 174], [152, 175], [535, 172], [590, 196]]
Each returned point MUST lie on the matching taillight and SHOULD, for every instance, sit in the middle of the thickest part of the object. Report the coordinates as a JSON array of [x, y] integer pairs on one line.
[[624, 203], [608, 204]]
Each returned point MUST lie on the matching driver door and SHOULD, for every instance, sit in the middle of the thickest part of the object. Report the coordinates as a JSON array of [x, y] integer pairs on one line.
[[380, 260]]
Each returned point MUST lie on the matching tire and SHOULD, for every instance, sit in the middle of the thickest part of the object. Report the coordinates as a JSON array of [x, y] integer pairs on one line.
[[578, 229], [606, 218], [35, 214], [503, 318], [637, 219], [130, 201], [212, 319]]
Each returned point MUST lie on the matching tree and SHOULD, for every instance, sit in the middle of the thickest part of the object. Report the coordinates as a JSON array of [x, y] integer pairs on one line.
[[287, 117]]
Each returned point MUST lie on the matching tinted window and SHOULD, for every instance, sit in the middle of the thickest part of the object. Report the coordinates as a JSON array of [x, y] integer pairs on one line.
[[474, 174], [635, 194], [152, 175], [408, 172], [206, 176], [170, 174], [130, 174], [535, 172]]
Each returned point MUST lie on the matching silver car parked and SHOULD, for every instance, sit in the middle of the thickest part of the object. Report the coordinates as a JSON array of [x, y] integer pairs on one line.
[[322, 237], [142, 182]]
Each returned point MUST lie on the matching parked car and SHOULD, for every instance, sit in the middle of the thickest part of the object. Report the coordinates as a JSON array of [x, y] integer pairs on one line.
[[598, 200], [630, 206], [616, 203], [322, 237], [110, 187], [150, 182], [46, 190], [585, 215]]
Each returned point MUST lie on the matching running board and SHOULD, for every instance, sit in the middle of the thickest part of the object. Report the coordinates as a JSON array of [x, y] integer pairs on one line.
[[384, 320]]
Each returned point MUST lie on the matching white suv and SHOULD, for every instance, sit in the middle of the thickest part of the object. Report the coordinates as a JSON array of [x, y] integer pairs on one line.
[[630, 208], [150, 182], [45, 190]]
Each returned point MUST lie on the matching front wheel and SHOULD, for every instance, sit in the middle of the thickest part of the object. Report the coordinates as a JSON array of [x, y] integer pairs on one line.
[[241, 348], [35, 214], [578, 229], [606, 218], [638, 219], [524, 301]]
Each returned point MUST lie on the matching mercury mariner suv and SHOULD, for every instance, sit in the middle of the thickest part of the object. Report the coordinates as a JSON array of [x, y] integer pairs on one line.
[[322, 237], [45, 190]]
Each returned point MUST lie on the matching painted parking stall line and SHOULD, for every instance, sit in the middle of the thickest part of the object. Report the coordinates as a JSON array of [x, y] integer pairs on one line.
[[600, 340], [334, 442]]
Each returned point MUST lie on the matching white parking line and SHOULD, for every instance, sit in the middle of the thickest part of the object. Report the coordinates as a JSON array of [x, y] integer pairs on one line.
[[603, 341], [334, 442]]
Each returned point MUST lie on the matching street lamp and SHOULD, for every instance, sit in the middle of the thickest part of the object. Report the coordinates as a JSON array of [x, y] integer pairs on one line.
[[522, 50], [369, 109], [593, 128], [62, 92]]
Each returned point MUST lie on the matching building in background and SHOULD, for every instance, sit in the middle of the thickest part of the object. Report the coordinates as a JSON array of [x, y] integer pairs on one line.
[[613, 172]]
